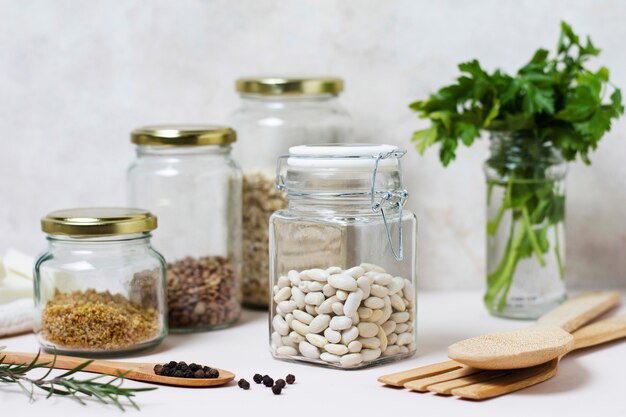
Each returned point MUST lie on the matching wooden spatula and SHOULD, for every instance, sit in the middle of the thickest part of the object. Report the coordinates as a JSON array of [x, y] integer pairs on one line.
[[477, 384], [131, 370], [537, 344]]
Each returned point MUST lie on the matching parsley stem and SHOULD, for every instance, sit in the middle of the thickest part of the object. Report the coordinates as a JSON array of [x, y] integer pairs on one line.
[[532, 237], [557, 251]]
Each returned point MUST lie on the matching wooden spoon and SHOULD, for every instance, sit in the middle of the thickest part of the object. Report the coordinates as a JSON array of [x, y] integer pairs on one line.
[[537, 344], [130, 370]]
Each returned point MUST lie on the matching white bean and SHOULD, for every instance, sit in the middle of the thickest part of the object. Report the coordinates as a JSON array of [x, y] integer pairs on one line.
[[342, 282], [369, 342], [314, 298], [337, 308], [287, 306], [332, 336], [379, 291], [287, 341], [349, 335], [352, 303], [282, 294], [340, 323], [374, 302], [327, 306], [295, 337], [280, 325], [395, 285], [383, 279], [319, 323], [392, 350], [311, 310], [364, 312], [294, 278], [400, 317], [302, 316], [277, 339], [317, 340], [330, 358], [367, 329], [300, 328], [408, 290], [392, 339], [298, 297], [286, 351], [370, 354], [365, 284], [342, 295], [308, 350], [397, 303], [317, 275], [283, 282], [376, 315], [383, 339], [401, 328], [355, 272], [333, 270], [388, 327], [329, 290], [351, 359], [355, 346], [404, 339], [336, 349]]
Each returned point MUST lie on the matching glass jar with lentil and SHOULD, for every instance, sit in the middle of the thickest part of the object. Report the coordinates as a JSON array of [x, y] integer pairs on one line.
[[187, 177], [99, 286]]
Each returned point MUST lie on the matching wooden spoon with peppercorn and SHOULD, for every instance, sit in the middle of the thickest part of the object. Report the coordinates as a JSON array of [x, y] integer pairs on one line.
[[173, 373]]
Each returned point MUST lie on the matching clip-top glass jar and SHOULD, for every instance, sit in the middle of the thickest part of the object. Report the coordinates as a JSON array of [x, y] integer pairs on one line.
[[343, 258], [100, 286], [277, 113], [186, 176]]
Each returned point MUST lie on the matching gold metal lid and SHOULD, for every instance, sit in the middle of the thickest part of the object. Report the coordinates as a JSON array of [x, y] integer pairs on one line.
[[286, 86], [98, 221], [183, 135]]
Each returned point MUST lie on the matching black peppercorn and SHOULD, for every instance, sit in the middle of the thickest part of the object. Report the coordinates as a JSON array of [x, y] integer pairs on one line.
[[158, 369], [172, 364], [194, 367], [178, 374], [243, 384], [258, 378], [168, 372], [276, 389], [268, 382], [290, 379], [188, 373], [280, 382], [199, 374], [213, 373]]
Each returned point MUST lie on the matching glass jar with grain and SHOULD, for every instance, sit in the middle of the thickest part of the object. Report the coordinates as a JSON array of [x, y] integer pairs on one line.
[[187, 177], [100, 286], [276, 113]]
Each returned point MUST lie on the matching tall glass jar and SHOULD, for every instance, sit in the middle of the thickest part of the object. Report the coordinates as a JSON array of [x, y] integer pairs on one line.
[[343, 258], [275, 114], [187, 177], [525, 226], [100, 286]]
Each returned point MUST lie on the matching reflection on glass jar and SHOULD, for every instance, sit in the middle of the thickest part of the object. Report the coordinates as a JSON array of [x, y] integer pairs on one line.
[[276, 114], [100, 286], [343, 258], [186, 176]]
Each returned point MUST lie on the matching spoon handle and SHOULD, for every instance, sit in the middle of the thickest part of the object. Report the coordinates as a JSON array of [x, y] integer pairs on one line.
[[577, 311], [600, 332]]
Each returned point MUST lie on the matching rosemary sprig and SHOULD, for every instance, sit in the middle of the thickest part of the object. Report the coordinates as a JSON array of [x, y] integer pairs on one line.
[[107, 392]]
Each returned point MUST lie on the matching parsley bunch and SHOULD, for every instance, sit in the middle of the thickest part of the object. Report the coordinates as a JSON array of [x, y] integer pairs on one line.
[[556, 98], [551, 105]]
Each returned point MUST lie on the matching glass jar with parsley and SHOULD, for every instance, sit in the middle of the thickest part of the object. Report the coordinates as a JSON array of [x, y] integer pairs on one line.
[[525, 225], [552, 111]]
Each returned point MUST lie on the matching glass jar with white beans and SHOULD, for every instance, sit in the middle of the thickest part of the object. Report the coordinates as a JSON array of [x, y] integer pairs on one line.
[[342, 258]]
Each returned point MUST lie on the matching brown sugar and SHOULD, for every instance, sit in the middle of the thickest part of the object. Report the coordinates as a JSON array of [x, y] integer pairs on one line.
[[97, 320]]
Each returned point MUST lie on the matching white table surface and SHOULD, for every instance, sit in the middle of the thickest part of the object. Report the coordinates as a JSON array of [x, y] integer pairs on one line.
[[589, 383]]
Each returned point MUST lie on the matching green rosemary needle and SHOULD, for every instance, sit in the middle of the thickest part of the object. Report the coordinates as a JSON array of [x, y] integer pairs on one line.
[[107, 392]]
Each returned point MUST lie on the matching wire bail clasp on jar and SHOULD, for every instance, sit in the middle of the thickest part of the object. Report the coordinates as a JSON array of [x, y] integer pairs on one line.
[[381, 200]]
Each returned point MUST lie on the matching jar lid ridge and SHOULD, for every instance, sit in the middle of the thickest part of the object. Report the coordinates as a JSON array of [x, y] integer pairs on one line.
[[290, 86], [183, 135], [98, 221]]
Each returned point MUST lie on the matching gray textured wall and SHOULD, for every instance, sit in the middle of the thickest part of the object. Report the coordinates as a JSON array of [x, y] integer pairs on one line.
[[77, 76]]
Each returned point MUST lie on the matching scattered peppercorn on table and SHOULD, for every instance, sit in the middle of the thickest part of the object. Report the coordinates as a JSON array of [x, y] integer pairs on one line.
[[586, 380]]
